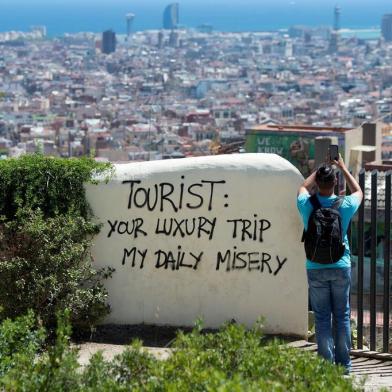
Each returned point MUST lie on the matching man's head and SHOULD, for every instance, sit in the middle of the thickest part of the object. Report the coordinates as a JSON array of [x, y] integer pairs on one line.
[[326, 177]]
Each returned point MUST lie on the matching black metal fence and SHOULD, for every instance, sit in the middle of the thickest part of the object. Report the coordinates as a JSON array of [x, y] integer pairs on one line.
[[370, 235]]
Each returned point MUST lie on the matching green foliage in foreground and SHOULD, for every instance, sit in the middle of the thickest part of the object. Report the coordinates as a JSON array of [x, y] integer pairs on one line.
[[46, 233], [53, 185], [19, 339], [232, 359], [45, 265]]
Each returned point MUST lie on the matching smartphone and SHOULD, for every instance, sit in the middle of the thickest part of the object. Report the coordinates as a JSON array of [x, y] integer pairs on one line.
[[334, 152]]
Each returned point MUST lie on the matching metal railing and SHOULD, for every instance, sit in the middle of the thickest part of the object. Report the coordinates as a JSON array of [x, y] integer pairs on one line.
[[376, 301]]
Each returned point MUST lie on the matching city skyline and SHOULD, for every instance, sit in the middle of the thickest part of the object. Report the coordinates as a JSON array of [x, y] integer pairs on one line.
[[178, 93], [61, 17]]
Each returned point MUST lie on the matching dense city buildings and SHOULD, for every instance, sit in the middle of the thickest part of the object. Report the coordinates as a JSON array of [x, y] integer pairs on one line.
[[386, 27], [108, 42], [307, 146], [171, 16], [187, 92]]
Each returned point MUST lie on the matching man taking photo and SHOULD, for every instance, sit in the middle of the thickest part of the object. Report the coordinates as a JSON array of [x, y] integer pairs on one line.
[[326, 218]]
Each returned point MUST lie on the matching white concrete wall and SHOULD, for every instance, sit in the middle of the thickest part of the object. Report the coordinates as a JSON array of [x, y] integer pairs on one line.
[[174, 279]]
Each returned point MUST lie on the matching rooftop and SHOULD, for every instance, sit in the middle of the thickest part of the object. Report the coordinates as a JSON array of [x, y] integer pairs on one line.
[[297, 128]]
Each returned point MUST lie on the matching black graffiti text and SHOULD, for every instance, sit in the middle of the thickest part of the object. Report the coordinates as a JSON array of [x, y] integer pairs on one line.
[[136, 256], [177, 260], [186, 227], [167, 196], [233, 259], [132, 227], [249, 229]]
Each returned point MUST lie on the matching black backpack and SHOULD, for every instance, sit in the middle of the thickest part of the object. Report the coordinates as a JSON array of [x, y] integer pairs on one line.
[[324, 237]]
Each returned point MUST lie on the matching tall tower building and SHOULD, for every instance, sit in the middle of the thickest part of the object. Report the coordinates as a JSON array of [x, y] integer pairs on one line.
[[129, 18], [386, 27], [333, 43], [108, 41], [336, 18], [161, 38], [171, 16], [174, 39], [334, 38]]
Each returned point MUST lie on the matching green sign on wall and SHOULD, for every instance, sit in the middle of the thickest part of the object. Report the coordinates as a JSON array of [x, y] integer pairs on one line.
[[297, 149]]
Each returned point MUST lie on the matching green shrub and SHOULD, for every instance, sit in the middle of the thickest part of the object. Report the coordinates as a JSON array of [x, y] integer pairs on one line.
[[19, 338], [233, 359], [53, 370], [45, 240], [45, 265], [240, 359], [54, 185]]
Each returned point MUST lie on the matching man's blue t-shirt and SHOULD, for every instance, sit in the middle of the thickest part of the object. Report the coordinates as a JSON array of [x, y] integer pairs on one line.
[[347, 210]]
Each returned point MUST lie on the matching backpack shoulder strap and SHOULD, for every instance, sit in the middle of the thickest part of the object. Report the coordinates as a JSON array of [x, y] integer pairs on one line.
[[337, 203], [315, 202], [316, 205], [335, 206]]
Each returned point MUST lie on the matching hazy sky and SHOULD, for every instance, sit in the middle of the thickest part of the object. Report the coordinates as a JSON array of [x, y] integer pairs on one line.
[[232, 15], [312, 3]]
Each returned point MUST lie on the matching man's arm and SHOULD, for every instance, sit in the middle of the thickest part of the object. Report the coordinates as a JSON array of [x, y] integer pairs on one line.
[[308, 184], [352, 184]]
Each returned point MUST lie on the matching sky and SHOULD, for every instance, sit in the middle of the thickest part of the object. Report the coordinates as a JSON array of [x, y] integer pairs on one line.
[[130, 3]]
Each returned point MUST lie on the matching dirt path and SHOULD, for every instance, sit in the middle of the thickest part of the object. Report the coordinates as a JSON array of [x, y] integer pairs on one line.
[[109, 351]]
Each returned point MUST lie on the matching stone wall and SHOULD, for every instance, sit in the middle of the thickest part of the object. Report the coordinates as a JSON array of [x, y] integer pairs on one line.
[[215, 237]]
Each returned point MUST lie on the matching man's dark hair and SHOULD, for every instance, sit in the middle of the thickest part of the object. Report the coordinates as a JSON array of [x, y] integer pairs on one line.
[[325, 176]]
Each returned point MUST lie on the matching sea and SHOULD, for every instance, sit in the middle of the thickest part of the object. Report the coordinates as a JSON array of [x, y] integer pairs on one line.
[[358, 18]]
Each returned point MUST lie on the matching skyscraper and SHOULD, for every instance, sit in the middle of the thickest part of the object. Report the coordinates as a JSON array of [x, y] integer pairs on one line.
[[336, 18], [334, 37], [386, 27], [108, 41], [333, 42], [171, 16], [129, 20], [161, 38], [174, 39]]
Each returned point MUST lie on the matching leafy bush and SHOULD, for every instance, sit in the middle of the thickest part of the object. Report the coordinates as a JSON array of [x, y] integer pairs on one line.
[[232, 359], [45, 240], [19, 338], [53, 370], [53, 185], [45, 265]]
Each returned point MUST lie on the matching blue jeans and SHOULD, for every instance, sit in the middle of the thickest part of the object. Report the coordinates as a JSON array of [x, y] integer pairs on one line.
[[329, 291]]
